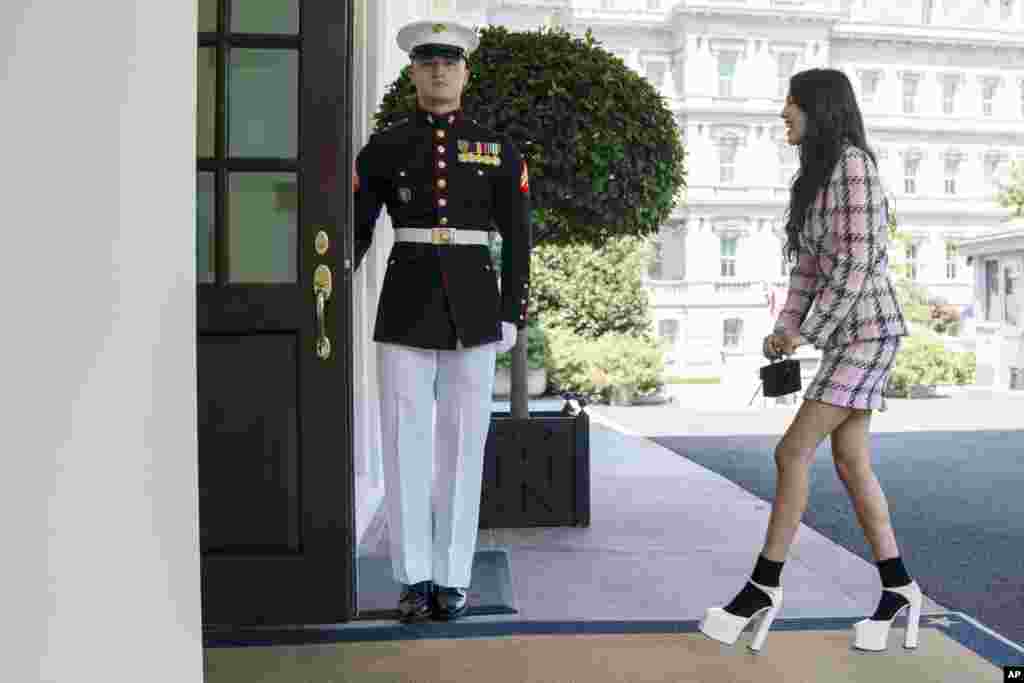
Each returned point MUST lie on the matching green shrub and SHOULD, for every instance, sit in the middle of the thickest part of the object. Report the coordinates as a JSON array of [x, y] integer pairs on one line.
[[593, 366], [913, 299], [569, 363], [631, 361], [592, 291], [922, 359]]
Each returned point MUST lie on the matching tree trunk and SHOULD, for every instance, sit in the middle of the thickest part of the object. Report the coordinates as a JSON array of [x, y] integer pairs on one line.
[[519, 400]]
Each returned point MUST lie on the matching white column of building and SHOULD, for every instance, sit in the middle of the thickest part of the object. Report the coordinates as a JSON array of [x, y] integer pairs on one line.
[[378, 62], [701, 68]]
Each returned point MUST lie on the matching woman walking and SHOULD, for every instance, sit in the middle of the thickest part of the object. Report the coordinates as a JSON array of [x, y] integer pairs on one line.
[[837, 234]]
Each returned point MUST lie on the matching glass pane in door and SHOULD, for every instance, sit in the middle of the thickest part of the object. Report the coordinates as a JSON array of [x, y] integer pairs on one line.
[[262, 227], [206, 101], [207, 16], [205, 242], [265, 16], [263, 103]]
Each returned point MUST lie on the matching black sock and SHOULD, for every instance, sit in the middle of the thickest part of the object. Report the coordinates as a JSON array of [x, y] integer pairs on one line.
[[894, 574], [752, 599]]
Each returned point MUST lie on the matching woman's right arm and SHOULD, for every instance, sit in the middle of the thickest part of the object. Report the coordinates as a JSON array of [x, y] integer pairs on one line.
[[802, 278]]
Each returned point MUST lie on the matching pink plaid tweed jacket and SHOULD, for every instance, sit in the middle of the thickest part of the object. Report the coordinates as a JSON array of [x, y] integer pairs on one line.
[[843, 266]]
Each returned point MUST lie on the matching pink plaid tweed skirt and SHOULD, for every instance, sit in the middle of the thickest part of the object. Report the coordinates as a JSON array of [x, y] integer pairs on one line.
[[854, 376]]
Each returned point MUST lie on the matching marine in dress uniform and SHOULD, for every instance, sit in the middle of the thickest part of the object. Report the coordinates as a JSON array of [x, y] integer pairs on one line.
[[447, 182]]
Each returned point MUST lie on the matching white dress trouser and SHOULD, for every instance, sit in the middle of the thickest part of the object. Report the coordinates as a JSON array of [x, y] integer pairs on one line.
[[432, 525]]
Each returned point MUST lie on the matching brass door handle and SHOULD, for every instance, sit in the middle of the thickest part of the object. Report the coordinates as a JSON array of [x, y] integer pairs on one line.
[[322, 288]]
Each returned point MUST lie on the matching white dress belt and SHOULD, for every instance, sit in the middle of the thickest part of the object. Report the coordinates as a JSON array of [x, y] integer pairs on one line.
[[439, 235]]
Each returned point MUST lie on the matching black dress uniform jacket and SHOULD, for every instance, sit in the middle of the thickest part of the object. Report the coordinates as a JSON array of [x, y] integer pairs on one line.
[[445, 171]]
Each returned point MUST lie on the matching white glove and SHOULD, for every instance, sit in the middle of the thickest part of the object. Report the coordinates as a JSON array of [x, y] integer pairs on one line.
[[508, 337]]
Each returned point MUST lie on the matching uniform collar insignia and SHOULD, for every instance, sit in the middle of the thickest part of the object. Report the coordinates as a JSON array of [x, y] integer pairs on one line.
[[439, 121]]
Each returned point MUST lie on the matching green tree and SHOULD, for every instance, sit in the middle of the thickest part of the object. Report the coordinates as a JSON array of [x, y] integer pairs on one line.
[[1011, 196], [602, 146], [590, 290]]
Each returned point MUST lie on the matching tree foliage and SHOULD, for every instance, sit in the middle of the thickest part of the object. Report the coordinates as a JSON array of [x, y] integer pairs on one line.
[[1012, 195], [603, 149], [592, 291]]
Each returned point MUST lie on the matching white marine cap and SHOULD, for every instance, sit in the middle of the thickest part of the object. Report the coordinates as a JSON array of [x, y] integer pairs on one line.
[[423, 36]]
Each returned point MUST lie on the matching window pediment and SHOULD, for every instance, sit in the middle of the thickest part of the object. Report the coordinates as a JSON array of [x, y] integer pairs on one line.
[[718, 46], [730, 228], [787, 48], [725, 134]]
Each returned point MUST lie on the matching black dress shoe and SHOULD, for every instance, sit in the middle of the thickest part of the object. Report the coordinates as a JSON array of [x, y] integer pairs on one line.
[[415, 602], [449, 603]]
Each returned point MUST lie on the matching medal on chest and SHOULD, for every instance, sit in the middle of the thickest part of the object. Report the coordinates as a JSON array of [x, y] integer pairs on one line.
[[488, 153]]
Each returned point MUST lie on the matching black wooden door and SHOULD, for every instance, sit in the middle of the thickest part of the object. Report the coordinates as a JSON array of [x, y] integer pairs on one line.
[[274, 377]]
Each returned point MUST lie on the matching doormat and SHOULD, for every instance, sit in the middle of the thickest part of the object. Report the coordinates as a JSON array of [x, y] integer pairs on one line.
[[489, 593], [952, 647]]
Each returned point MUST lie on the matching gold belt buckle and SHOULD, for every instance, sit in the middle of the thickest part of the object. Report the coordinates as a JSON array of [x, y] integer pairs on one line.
[[442, 235]]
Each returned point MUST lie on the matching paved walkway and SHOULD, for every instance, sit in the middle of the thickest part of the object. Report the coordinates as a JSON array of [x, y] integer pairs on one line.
[[668, 538]]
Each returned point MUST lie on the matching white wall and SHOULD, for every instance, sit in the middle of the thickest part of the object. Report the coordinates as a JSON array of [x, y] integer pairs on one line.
[[378, 62], [98, 499]]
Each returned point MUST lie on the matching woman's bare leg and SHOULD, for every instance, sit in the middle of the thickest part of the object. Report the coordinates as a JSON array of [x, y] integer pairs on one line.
[[793, 456], [851, 451]]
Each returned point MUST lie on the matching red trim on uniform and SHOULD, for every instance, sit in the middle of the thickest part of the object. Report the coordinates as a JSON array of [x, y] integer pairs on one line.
[[524, 179], [355, 178]]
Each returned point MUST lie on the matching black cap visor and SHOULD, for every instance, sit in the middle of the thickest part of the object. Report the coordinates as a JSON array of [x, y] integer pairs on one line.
[[431, 50]]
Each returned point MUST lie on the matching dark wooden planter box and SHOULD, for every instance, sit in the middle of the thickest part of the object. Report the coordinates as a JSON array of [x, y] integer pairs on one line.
[[536, 471]]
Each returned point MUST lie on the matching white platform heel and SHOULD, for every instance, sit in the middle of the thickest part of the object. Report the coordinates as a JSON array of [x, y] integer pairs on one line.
[[726, 628], [874, 635]]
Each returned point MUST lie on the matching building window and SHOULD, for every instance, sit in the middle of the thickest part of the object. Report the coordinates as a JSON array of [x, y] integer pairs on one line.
[[787, 64], [949, 89], [913, 264], [732, 333], [992, 307], [952, 171], [910, 175], [668, 332], [909, 94], [988, 94], [728, 249], [727, 162], [868, 86], [952, 260], [1010, 303], [654, 267], [927, 9], [726, 73], [991, 164]]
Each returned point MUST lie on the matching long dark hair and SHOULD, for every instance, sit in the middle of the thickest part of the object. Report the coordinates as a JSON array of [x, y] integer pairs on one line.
[[833, 122]]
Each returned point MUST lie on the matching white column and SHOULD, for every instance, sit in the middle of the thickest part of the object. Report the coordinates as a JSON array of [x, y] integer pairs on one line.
[[99, 501], [378, 62]]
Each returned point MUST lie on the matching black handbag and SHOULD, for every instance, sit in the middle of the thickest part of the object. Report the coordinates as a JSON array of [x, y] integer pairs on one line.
[[781, 378]]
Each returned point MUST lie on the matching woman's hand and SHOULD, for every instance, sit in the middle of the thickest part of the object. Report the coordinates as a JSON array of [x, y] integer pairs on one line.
[[776, 345]]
